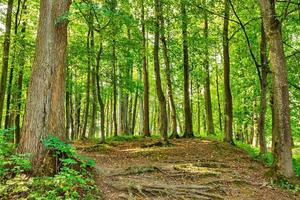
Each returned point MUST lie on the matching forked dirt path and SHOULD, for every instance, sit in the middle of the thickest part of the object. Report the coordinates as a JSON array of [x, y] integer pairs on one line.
[[189, 169]]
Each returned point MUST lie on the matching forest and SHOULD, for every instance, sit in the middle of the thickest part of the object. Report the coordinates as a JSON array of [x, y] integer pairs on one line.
[[150, 99]]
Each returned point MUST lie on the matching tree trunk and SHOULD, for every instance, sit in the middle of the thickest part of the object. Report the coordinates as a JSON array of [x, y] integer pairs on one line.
[[68, 110], [207, 94], [88, 85], [199, 109], [188, 125], [92, 132], [45, 112], [6, 46], [282, 128], [19, 81], [134, 112], [9, 114], [168, 75], [218, 98], [263, 95], [228, 98], [145, 73], [100, 100], [161, 97]]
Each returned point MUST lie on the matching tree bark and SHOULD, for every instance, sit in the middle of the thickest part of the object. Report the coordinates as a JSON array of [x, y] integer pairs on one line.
[[263, 95], [161, 97], [88, 86], [6, 47], [19, 81], [145, 74], [228, 97], [45, 112], [218, 98], [188, 124], [282, 128], [100, 100], [92, 132], [207, 94], [168, 75]]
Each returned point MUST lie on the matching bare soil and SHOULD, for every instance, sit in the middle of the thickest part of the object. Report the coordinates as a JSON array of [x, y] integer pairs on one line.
[[187, 169]]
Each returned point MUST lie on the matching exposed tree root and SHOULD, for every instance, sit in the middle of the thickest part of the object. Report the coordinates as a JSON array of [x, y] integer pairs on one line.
[[136, 170], [157, 144], [147, 190]]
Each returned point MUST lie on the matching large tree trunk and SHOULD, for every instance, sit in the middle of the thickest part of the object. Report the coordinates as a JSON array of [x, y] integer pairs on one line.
[[263, 91], [207, 94], [161, 97], [6, 47], [188, 124], [282, 129], [228, 98], [168, 75], [45, 112], [145, 73]]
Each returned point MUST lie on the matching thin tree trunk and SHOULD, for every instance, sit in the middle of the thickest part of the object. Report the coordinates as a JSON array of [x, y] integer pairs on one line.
[[19, 81], [282, 128], [160, 94], [168, 75], [92, 132], [8, 115], [218, 98], [198, 109], [228, 98], [134, 112], [45, 112], [100, 100], [88, 85], [207, 94], [188, 124], [6, 47], [145, 73], [263, 95]]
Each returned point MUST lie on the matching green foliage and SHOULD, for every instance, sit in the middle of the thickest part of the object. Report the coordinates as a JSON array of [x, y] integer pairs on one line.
[[58, 147], [73, 181], [10, 162]]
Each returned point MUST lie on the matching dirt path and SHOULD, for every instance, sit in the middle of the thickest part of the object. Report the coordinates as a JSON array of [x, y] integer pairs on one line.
[[189, 169]]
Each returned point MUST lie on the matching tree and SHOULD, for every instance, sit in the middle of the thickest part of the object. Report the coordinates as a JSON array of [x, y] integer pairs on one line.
[[282, 129], [207, 94], [228, 136], [145, 74], [45, 110], [6, 47], [168, 74], [160, 94], [188, 128]]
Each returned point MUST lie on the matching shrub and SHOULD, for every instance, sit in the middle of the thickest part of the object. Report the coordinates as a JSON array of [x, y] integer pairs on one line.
[[73, 180]]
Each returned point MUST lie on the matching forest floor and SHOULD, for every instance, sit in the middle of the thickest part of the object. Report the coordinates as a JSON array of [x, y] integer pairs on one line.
[[186, 169]]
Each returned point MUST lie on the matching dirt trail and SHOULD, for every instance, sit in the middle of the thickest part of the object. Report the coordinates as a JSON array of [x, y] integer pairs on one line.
[[188, 169]]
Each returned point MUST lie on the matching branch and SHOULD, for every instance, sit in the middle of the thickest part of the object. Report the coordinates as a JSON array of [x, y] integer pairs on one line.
[[216, 14], [294, 85], [248, 40]]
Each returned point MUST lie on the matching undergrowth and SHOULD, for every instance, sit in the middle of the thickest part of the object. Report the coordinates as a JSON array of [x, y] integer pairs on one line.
[[73, 180]]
